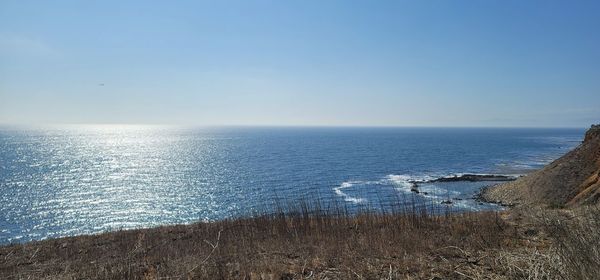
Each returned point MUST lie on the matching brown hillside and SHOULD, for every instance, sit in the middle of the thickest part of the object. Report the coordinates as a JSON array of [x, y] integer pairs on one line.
[[570, 180]]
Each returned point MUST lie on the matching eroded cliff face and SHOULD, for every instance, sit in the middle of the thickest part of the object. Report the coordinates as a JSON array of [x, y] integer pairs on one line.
[[592, 134], [588, 192], [570, 180]]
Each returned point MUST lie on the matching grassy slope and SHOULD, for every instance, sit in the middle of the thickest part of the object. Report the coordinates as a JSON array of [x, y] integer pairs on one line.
[[570, 180], [523, 243], [371, 246]]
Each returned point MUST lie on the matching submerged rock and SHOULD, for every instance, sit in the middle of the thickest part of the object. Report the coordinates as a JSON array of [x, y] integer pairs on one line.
[[414, 188]]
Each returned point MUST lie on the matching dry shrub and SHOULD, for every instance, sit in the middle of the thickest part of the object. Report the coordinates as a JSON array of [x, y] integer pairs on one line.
[[576, 241]]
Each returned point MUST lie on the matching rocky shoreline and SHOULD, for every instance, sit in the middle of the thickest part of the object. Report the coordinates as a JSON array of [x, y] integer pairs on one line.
[[481, 197], [466, 178]]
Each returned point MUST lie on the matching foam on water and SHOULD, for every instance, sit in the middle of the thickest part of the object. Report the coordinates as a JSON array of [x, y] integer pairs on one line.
[[460, 194], [339, 191], [401, 183]]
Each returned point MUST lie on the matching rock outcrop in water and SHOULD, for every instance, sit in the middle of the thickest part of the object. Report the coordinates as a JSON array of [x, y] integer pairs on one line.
[[573, 179], [474, 178]]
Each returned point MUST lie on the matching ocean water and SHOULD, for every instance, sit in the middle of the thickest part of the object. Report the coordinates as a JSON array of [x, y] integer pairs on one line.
[[63, 181]]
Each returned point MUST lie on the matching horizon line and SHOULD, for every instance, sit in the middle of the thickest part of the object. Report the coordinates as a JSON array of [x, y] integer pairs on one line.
[[283, 125]]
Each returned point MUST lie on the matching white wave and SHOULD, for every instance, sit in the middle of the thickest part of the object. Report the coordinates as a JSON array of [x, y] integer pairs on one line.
[[402, 183], [347, 197], [436, 193], [406, 184]]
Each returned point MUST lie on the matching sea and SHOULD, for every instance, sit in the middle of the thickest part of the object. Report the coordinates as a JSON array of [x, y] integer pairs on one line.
[[71, 180]]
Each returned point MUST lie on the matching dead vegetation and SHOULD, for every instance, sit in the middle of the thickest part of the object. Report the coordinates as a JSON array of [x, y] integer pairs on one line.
[[306, 244], [296, 244], [576, 241]]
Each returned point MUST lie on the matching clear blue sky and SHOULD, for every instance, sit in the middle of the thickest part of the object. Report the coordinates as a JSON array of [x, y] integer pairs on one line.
[[405, 63]]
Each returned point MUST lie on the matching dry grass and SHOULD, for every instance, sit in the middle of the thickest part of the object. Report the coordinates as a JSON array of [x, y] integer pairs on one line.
[[306, 244], [294, 244], [576, 241], [557, 244]]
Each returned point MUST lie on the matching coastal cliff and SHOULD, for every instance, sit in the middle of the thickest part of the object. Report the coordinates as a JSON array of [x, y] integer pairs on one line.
[[573, 179], [300, 242]]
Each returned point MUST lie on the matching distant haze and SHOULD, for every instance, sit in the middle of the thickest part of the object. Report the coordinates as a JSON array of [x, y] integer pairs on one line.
[[332, 63]]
